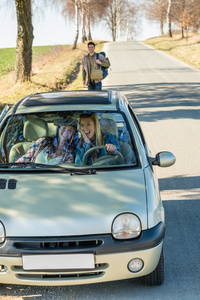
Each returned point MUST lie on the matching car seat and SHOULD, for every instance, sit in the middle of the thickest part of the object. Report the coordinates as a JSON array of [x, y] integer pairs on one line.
[[32, 131], [109, 125]]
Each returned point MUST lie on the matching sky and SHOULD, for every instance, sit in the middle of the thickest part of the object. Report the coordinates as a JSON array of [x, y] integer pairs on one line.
[[51, 28]]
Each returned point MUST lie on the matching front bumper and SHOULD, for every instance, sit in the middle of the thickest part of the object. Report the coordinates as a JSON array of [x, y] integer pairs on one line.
[[111, 258]]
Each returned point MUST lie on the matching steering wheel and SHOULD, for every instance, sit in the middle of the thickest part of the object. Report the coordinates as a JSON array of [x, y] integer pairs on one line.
[[103, 160]]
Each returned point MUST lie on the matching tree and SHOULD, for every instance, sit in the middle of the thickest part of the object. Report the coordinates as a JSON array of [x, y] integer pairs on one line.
[[196, 15], [112, 19], [177, 11], [186, 14], [169, 29], [119, 17], [156, 10], [77, 8], [23, 64], [130, 20], [71, 8], [87, 11]]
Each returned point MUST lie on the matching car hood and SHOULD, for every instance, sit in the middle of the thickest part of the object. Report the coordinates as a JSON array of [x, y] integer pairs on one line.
[[57, 204]]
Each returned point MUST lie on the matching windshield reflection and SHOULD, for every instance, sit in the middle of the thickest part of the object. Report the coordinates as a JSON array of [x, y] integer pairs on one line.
[[76, 139]]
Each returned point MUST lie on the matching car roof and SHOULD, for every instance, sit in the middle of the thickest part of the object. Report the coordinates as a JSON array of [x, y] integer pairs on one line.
[[73, 100], [72, 97]]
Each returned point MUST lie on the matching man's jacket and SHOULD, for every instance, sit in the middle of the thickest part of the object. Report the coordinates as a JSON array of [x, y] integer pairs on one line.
[[86, 66]]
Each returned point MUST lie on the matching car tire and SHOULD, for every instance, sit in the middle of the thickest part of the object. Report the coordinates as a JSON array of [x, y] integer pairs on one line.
[[157, 276]]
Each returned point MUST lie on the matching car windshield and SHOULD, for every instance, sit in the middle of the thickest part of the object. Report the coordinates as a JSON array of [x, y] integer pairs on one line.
[[75, 139]]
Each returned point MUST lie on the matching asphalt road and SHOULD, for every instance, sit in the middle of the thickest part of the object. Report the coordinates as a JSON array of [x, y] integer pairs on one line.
[[165, 94]]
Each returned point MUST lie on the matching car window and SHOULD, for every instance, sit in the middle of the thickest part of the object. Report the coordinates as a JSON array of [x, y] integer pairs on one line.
[[75, 138], [137, 124]]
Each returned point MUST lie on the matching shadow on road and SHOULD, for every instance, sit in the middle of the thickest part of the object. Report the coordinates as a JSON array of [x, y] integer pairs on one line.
[[175, 97], [181, 242], [180, 183]]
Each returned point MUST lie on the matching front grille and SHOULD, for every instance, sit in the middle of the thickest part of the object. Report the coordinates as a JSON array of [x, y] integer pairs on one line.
[[61, 245], [98, 271], [45, 277], [59, 276]]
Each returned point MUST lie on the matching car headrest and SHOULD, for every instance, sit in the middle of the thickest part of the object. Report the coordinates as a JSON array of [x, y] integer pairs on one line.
[[52, 129], [35, 129], [109, 126]]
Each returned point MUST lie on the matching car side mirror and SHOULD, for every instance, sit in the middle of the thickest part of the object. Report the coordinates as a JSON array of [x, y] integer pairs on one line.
[[164, 159]]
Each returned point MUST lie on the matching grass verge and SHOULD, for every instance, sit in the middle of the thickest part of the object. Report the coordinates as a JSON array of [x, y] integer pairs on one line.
[[7, 57], [186, 50], [54, 68]]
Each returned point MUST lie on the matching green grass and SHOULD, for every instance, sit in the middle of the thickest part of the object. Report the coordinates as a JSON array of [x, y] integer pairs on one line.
[[39, 50], [54, 68], [7, 60], [7, 57]]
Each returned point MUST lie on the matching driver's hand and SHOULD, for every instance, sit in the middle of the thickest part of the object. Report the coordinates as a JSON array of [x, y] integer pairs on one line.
[[110, 148], [86, 139]]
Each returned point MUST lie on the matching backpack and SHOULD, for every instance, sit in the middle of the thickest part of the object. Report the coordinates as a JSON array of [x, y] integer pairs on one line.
[[105, 70]]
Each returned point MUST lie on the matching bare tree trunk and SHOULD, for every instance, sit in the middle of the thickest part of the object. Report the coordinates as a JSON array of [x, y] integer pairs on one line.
[[169, 30], [76, 25], [161, 27], [127, 25], [161, 17], [114, 20], [186, 30], [88, 31], [83, 21], [113, 36], [118, 20], [182, 26], [87, 13], [83, 28], [182, 32], [23, 64]]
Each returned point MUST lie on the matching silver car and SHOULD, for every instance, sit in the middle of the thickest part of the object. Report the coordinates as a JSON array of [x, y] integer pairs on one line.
[[87, 214]]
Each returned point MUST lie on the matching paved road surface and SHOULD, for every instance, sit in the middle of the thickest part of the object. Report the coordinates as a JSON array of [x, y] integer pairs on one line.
[[165, 94]]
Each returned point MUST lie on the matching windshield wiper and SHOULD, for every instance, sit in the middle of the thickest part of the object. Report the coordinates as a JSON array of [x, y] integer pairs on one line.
[[66, 169], [55, 168]]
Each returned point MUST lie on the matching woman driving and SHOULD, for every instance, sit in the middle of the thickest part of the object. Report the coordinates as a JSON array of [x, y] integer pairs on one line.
[[91, 136]]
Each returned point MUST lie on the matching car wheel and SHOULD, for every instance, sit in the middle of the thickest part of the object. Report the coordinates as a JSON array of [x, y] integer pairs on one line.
[[157, 276]]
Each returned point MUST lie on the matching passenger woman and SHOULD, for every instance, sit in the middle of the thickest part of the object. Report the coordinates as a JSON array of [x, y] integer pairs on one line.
[[56, 150]]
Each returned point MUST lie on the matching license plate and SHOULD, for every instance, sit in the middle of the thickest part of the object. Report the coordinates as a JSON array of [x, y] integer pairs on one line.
[[58, 262]]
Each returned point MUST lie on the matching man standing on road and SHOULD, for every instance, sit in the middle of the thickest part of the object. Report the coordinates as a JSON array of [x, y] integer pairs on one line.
[[91, 62]]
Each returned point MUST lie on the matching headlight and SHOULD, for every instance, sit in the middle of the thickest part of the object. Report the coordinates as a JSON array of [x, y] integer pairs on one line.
[[2, 233], [126, 226]]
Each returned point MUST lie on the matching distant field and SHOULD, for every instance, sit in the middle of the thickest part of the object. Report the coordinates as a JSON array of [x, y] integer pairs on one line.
[[7, 60], [7, 57]]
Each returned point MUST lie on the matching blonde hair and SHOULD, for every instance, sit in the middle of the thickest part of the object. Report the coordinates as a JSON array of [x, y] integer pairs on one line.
[[97, 127]]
